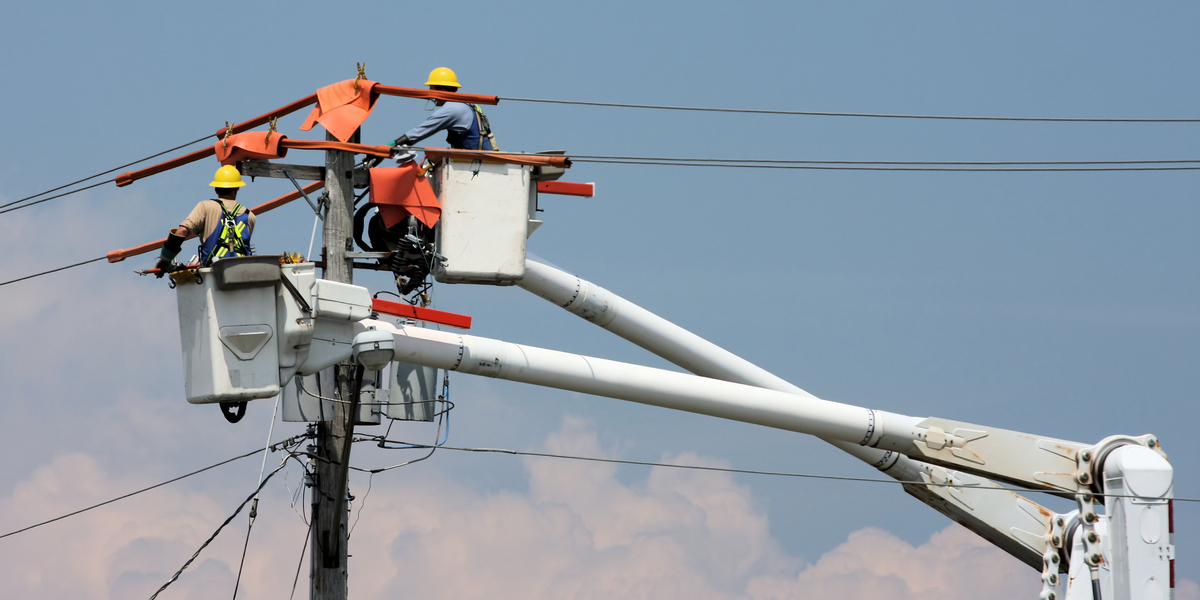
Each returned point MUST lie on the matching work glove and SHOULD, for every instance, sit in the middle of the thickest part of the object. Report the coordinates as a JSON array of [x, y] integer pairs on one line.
[[164, 266], [168, 253], [400, 141]]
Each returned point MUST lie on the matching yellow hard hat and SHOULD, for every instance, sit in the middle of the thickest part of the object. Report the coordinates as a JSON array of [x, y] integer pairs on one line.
[[227, 177], [443, 76]]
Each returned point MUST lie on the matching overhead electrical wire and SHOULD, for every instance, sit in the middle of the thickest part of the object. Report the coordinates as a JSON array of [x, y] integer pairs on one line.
[[881, 167], [86, 187], [744, 471], [90, 177], [281, 444], [78, 264], [853, 114], [891, 162], [218, 531]]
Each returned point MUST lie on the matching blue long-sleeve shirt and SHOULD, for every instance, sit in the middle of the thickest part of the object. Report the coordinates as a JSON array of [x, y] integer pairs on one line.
[[459, 122]]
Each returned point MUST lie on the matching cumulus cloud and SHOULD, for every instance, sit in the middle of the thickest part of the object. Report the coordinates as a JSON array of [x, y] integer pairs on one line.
[[874, 563], [578, 531]]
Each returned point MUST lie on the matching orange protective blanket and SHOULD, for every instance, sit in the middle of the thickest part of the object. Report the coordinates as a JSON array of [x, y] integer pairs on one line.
[[537, 160], [341, 108], [252, 144], [402, 191]]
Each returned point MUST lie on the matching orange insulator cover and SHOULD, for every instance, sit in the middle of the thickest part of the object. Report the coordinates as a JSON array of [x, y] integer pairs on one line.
[[252, 144], [537, 160], [391, 90], [384, 151], [125, 179], [265, 118], [402, 191], [342, 107]]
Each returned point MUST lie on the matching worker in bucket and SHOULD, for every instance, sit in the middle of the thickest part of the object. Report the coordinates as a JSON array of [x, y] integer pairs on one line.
[[223, 225], [465, 125]]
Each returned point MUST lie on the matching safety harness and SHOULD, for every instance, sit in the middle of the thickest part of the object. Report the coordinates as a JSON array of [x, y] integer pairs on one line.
[[485, 129], [232, 238]]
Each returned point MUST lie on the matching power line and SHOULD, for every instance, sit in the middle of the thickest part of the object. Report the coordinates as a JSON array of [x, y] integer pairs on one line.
[[86, 187], [219, 528], [853, 114], [52, 271], [890, 162], [820, 167], [755, 472], [67, 185], [157, 485]]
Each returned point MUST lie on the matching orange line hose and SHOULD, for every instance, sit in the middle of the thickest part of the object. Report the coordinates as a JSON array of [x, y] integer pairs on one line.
[[384, 151], [125, 179], [264, 118], [391, 90]]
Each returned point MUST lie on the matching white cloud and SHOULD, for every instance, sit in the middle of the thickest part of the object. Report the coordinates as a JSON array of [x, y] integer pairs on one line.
[[577, 532], [581, 533], [874, 563]]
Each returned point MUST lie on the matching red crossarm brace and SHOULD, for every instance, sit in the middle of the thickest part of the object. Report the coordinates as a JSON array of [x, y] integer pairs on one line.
[[430, 315], [567, 188]]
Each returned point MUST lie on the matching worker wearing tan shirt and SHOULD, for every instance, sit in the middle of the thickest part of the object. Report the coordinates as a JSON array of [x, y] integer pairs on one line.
[[223, 225]]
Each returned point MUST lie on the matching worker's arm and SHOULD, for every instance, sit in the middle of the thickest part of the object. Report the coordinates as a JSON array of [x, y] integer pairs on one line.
[[170, 250], [441, 119], [194, 223]]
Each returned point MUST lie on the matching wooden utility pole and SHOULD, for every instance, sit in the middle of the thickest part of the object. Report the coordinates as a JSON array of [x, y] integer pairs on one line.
[[329, 513]]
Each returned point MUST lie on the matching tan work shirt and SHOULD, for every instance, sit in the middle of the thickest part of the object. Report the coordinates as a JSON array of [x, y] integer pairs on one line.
[[206, 218]]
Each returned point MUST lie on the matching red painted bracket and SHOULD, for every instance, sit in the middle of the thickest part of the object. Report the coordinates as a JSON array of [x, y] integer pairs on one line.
[[567, 188], [430, 315]]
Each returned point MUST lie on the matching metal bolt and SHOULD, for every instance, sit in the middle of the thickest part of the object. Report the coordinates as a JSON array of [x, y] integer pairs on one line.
[[1057, 541], [1053, 579], [1054, 559], [1089, 517], [1092, 537], [1059, 521], [1083, 478], [1150, 443], [1051, 596], [1096, 558], [1085, 455]]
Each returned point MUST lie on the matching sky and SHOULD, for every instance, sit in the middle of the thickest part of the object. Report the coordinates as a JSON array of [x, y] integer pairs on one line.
[[1061, 304]]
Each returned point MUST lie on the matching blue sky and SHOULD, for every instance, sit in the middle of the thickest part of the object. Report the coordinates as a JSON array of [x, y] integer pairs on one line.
[[1063, 304]]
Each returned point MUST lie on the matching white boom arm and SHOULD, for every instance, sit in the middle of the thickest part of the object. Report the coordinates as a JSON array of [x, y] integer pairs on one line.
[[1008, 520], [1142, 565], [249, 325], [1015, 524]]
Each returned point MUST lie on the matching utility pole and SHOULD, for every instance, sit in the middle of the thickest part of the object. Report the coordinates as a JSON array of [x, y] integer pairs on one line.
[[329, 514]]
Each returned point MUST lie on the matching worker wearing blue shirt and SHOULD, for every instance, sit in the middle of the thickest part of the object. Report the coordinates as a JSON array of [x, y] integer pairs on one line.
[[465, 125]]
